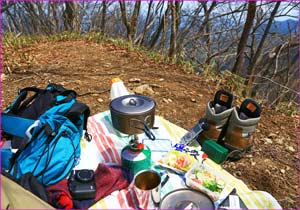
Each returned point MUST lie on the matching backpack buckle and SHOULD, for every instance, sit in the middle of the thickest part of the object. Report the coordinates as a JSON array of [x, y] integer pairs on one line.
[[30, 128]]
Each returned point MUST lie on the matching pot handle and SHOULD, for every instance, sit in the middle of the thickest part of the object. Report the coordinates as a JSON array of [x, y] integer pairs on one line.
[[146, 129], [148, 132]]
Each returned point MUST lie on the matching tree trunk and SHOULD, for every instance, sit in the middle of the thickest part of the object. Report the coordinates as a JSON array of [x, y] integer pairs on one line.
[[207, 36], [6, 6], [13, 20], [141, 38], [175, 14], [44, 21], [70, 17], [130, 25], [161, 27], [237, 68], [29, 7], [124, 17], [22, 18], [54, 7], [134, 20], [253, 62], [103, 16]]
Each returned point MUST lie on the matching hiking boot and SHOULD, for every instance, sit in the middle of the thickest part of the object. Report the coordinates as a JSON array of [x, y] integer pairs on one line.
[[217, 113], [241, 125]]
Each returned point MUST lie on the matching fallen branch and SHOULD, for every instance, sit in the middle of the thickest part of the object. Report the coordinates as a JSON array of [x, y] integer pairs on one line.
[[37, 75], [19, 80], [93, 92]]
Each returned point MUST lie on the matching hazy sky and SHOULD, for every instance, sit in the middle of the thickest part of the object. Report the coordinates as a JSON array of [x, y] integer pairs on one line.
[[190, 5]]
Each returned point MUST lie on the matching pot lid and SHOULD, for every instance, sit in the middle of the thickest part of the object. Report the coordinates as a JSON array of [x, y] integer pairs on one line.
[[132, 104], [186, 198]]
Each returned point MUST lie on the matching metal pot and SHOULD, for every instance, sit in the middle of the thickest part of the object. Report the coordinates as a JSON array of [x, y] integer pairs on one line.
[[186, 198], [133, 114]]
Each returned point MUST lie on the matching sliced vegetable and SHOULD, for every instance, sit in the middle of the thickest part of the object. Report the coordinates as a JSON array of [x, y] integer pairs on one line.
[[207, 179], [179, 160]]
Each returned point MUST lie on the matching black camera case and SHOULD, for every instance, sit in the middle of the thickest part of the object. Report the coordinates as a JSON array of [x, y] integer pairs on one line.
[[82, 184]]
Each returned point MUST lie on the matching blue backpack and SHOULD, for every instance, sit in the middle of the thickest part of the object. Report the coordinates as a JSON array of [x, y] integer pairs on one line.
[[50, 140]]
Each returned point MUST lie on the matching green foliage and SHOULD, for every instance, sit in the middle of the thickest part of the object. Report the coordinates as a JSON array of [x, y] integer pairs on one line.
[[95, 37], [188, 65], [234, 82], [225, 80], [288, 108], [122, 43], [64, 36], [17, 41]]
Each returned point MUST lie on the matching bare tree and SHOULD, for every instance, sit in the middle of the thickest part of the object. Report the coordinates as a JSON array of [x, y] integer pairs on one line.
[[206, 20], [55, 15], [12, 19], [191, 21], [70, 16], [214, 35], [244, 37], [165, 27], [253, 61], [103, 16], [131, 24], [206, 37], [175, 14], [6, 6], [162, 28], [149, 22]]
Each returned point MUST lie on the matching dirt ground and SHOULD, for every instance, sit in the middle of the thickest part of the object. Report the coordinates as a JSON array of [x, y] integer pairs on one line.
[[181, 97]]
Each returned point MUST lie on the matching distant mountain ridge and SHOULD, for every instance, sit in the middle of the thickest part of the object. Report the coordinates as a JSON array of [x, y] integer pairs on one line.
[[282, 26]]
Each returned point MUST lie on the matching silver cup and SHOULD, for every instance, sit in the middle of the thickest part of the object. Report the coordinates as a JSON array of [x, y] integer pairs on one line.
[[147, 185]]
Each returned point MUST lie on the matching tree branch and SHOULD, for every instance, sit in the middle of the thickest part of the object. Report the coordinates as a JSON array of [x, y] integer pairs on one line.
[[285, 87]]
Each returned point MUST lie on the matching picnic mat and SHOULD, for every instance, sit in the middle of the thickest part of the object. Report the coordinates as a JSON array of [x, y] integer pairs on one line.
[[106, 148]]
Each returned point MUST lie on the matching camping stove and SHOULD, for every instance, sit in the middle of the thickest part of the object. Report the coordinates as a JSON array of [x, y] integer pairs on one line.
[[136, 156]]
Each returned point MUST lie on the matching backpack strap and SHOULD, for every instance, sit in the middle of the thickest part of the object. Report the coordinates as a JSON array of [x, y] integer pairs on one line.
[[55, 87], [65, 96], [24, 143], [80, 109], [70, 94], [76, 110], [22, 94], [19, 104]]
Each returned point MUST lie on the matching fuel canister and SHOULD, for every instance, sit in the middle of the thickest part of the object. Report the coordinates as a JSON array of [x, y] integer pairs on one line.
[[136, 157]]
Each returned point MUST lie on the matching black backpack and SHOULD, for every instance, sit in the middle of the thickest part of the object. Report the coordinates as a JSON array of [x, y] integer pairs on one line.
[[49, 125], [31, 103]]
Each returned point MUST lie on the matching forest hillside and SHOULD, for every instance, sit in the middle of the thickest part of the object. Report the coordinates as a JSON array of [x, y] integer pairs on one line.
[[179, 54], [87, 67]]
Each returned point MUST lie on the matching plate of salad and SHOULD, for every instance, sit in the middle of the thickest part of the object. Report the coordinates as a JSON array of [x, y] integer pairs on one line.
[[180, 162], [201, 177]]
